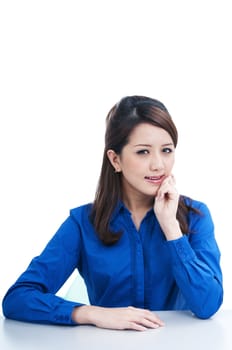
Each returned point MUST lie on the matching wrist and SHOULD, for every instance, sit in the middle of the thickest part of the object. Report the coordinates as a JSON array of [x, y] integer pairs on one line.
[[172, 230], [81, 314]]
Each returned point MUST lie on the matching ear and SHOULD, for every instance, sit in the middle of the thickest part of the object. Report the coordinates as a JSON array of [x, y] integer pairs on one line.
[[114, 159]]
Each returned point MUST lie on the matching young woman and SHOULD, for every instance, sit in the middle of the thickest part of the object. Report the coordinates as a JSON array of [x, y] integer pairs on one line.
[[140, 246]]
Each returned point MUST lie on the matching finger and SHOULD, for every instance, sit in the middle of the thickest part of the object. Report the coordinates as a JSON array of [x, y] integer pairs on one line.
[[150, 324], [152, 317], [149, 316], [136, 326], [142, 325], [167, 188], [170, 180], [164, 191], [173, 178]]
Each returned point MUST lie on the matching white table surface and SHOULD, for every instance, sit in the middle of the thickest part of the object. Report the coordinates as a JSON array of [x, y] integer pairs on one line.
[[182, 331]]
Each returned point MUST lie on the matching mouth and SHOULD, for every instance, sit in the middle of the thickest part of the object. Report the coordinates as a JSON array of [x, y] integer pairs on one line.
[[155, 179]]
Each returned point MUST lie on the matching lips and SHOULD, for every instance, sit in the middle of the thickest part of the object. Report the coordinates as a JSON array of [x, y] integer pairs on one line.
[[154, 179]]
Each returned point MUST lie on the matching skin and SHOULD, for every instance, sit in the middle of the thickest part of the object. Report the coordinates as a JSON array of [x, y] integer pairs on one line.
[[146, 164]]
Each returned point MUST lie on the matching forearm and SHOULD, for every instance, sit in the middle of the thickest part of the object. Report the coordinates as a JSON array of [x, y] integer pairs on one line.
[[31, 305], [171, 229], [198, 281], [202, 291]]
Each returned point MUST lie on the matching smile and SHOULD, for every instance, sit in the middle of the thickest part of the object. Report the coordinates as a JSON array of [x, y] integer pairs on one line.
[[154, 179]]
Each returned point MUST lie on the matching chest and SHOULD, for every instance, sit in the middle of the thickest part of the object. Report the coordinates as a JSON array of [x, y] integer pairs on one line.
[[142, 252]]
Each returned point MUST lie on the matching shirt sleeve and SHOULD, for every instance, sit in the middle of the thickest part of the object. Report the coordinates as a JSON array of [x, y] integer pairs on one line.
[[32, 298], [196, 265]]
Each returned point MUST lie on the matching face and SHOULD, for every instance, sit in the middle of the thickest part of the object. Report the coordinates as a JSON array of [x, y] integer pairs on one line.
[[145, 161]]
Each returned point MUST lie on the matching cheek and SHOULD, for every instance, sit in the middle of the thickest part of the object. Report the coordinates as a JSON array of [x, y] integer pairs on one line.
[[129, 167], [170, 163], [136, 166], [130, 164]]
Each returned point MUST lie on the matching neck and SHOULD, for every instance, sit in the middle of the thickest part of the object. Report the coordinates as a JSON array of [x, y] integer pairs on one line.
[[138, 205], [138, 209]]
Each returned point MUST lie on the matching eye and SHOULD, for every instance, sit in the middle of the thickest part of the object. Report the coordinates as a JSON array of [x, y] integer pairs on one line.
[[143, 151], [167, 150]]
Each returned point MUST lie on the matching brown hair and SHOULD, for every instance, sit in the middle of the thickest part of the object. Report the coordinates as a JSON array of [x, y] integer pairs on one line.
[[120, 121]]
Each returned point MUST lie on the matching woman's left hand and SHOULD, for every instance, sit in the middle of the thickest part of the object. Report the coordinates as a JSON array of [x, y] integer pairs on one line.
[[165, 208]]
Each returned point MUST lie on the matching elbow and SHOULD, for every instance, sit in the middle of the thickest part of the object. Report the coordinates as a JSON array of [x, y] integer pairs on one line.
[[14, 304], [8, 307], [208, 309], [204, 315]]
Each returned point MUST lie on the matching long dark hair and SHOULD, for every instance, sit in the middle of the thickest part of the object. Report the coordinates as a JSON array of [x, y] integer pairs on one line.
[[120, 121]]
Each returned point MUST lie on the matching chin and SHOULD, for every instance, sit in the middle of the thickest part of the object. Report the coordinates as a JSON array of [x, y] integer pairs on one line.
[[151, 195]]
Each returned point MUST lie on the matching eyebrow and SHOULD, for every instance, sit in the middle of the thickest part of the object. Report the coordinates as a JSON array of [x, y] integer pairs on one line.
[[148, 145]]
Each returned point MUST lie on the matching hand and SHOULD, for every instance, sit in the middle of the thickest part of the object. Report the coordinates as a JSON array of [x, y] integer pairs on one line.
[[117, 318], [165, 208]]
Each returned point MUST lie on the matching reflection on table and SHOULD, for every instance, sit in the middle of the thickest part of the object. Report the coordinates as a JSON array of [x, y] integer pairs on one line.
[[181, 331]]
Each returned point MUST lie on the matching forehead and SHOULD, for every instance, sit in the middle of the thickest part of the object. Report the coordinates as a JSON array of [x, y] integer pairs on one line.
[[149, 134]]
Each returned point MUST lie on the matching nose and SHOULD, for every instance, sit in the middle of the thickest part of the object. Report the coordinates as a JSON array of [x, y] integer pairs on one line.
[[156, 163]]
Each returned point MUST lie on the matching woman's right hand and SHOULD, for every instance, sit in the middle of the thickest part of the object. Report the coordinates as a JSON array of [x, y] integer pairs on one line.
[[116, 318]]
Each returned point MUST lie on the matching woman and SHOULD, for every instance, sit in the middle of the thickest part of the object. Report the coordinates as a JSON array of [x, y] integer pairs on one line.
[[140, 246]]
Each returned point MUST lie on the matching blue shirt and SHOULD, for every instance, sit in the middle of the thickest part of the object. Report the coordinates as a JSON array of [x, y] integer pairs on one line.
[[142, 269]]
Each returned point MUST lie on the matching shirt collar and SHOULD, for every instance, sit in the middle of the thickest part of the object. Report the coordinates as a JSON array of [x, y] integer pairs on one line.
[[120, 207]]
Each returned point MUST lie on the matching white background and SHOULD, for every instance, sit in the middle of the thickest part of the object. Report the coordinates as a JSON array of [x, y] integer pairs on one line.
[[63, 64]]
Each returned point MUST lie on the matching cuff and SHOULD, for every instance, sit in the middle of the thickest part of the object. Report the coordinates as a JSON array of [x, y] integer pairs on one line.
[[63, 314], [181, 250]]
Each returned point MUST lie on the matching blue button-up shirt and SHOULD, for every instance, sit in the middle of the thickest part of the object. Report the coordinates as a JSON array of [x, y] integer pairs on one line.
[[142, 269]]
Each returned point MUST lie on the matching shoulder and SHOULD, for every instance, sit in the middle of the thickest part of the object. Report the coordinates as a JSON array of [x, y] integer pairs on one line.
[[199, 206], [70, 230], [81, 215], [75, 219], [84, 209], [200, 216]]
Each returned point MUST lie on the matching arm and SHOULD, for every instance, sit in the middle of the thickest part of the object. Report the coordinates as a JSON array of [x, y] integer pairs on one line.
[[195, 257], [32, 298], [196, 266]]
